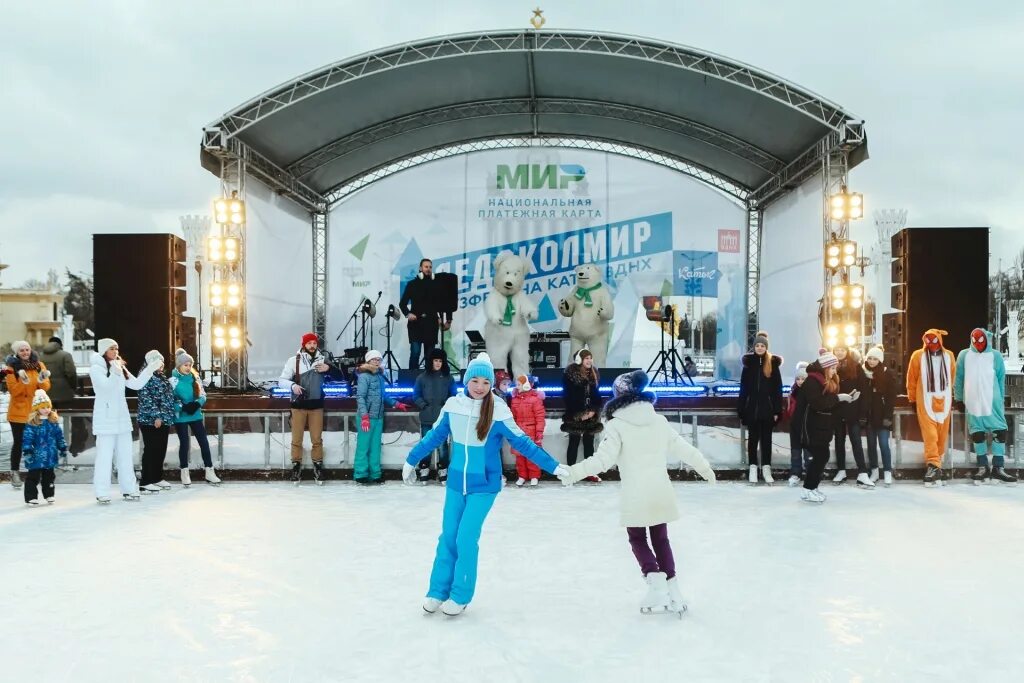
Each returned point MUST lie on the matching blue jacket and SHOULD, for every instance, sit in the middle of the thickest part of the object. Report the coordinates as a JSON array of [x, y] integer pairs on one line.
[[157, 401], [475, 465], [42, 444], [370, 396], [184, 390]]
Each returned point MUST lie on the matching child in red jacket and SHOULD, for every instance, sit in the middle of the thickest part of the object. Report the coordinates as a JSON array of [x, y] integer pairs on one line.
[[528, 411]]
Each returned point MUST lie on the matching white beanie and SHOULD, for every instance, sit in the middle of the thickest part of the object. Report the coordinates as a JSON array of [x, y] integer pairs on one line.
[[371, 354], [103, 345], [876, 352], [20, 344], [154, 356], [801, 369]]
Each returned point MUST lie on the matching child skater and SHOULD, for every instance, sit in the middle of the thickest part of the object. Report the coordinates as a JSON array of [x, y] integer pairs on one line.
[[41, 447], [639, 441], [477, 421], [528, 410]]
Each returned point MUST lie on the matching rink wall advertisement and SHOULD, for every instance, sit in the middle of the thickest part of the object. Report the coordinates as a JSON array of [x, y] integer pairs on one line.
[[652, 232]]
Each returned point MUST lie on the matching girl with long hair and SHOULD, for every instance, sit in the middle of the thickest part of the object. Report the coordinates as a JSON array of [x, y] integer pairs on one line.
[[582, 417], [760, 404]]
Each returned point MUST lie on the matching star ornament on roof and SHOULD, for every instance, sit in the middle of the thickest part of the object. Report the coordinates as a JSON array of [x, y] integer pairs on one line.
[[538, 19]]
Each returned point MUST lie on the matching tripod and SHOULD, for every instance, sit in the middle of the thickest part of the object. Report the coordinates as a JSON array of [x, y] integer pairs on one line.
[[668, 361], [389, 357]]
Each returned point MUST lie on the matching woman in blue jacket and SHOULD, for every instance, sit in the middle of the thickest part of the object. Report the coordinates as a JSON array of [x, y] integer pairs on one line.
[[477, 422], [192, 398]]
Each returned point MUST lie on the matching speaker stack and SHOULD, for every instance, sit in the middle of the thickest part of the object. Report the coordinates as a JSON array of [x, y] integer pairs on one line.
[[139, 294], [940, 279]]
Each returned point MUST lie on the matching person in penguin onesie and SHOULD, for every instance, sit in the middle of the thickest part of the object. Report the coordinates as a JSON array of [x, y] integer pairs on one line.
[[930, 376], [980, 391]]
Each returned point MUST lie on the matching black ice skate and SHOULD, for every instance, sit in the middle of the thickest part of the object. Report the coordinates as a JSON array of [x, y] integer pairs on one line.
[[1000, 474], [296, 472], [932, 476], [981, 475], [318, 473]]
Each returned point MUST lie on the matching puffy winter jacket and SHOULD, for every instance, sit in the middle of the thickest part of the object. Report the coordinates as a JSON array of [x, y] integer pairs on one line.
[[475, 464], [815, 406], [185, 392], [64, 377], [110, 408], [528, 412], [157, 401], [880, 397], [299, 370], [430, 392], [22, 383], [370, 396], [42, 445], [760, 397]]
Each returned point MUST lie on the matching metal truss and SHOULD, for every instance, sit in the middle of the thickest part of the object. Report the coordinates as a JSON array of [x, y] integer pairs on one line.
[[534, 107], [687, 58], [835, 175], [234, 362], [754, 232], [320, 233], [725, 186]]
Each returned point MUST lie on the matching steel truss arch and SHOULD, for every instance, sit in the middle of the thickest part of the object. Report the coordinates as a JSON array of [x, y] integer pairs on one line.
[[724, 186]]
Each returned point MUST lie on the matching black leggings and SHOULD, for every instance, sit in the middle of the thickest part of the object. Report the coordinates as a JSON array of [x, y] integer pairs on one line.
[[574, 446], [819, 458], [760, 432], [17, 434]]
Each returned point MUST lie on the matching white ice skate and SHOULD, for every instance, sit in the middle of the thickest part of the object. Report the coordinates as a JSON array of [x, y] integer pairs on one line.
[[131, 497], [103, 500], [657, 599], [15, 479], [186, 478], [752, 476], [163, 484], [865, 482], [534, 482], [151, 488], [840, 477], [50, 500], [520, 481], [814, 496], [794, 481], [675, 598], [874, 474], [211, 477], [451, 608], [32, 503], [431, 605], [766, 474], [888, 478]]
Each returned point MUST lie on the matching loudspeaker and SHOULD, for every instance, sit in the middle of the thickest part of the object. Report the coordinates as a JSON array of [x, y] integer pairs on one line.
[[406, 377], [944, 285], [894, 340], [185, 333], [136, 297], [446, 287]]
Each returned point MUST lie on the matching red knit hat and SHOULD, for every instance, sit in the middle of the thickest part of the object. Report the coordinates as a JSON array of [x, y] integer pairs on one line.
[[308, 337]]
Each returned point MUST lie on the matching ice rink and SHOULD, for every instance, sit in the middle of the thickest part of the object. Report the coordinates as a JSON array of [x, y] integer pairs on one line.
[[267, 582]]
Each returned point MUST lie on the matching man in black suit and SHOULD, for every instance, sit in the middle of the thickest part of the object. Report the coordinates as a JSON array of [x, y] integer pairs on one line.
[[419, 304]]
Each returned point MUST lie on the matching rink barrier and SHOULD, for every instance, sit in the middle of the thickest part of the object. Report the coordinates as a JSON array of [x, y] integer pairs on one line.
[[689, 419]]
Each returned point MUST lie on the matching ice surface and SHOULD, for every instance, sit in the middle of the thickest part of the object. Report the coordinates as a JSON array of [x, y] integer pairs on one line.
[[268, 582]]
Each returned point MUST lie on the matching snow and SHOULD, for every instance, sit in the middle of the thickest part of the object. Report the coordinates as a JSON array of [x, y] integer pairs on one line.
[[269, 582]]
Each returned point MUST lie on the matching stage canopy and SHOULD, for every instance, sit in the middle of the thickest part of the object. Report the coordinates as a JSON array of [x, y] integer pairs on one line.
[[323, 135]]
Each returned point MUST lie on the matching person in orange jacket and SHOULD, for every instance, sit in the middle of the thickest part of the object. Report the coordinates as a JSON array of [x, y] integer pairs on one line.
[[931, 374], [528, 411], [27, 374]]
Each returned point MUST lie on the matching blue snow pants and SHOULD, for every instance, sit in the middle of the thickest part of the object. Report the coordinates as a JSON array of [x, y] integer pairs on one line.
[[454, 573]]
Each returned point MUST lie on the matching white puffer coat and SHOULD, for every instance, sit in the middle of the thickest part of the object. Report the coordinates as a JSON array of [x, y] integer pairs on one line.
[[640, 442], [110, 410]]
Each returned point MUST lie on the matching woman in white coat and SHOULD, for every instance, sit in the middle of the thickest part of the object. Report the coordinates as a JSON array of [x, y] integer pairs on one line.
[[111, 421], [639, 442]]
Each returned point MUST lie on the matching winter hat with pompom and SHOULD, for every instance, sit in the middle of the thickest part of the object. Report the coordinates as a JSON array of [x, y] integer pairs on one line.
[[480, 367], [876, 352], [181, 357], [827, 359], [801, 369], [154, 356], [40, 400]]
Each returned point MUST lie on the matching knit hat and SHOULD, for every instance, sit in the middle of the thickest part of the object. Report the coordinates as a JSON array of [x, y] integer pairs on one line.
[[371, 354], [308, 337], [876, 352], [181, 357], [19, 345], [761, 338], [41, 400], [103, 345], [523, 383], [154, 356], [801, 369], [479, 367], [57, 340], [827, 359], [630, 383]]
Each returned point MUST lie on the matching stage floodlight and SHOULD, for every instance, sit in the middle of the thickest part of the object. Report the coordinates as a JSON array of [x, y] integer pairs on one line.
[[229, 210], [215, 249], [846, 206], [230, 249], [216, 295], [840, 253]]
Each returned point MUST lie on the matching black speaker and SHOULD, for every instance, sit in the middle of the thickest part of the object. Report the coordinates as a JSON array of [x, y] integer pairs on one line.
[[945, 285], [406, 377], [894, 340], [446, 287], [137, 299], [899, 274]]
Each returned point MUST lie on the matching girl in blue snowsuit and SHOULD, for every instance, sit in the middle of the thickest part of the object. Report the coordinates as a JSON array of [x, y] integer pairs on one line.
[[477, 422]]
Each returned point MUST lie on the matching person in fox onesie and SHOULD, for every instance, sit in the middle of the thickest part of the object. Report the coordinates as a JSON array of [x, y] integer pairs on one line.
[[930, 377]]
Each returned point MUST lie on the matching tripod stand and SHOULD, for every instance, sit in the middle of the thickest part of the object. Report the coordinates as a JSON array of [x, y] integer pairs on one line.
[[389, 359], [668, 361]]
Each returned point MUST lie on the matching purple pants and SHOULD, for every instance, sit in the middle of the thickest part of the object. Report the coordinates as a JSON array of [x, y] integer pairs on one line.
[[658, 560]]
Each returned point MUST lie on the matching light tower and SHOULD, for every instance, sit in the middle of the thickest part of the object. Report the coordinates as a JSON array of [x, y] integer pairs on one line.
[[196, 230]]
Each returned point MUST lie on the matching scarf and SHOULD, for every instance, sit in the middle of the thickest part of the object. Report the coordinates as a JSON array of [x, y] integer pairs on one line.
[[942, 372], [584, 294], [510, 312]]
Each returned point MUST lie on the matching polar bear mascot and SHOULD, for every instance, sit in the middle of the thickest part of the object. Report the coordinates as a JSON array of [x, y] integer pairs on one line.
[[591, 309], [508, 309]]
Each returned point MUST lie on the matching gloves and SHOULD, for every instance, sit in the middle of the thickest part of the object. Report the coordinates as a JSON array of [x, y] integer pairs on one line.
[[845, 398], [364, 424], [408, 473], [401, 406], [154, 366], [887, 423], [45, 374], [23, 376], [564, 475], [190, 408]]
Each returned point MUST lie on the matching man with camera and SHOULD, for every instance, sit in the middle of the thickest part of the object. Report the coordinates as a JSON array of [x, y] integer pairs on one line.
[[303, 376], [420, 306]]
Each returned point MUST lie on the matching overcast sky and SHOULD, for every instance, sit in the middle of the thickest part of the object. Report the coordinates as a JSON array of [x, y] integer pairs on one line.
[[104, 102]]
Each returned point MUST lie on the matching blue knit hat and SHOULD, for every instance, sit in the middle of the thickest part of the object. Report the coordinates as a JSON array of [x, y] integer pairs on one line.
[[479, 367]]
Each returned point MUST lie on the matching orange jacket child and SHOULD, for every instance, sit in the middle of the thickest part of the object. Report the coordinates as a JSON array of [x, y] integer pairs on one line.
[[528, 411], [930, 377]]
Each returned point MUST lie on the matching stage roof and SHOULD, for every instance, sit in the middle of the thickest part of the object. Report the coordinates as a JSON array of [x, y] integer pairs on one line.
[[743, 130]]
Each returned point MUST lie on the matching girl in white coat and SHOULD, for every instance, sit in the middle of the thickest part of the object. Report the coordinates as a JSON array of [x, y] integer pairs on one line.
[[111, 422], [639, 441]]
